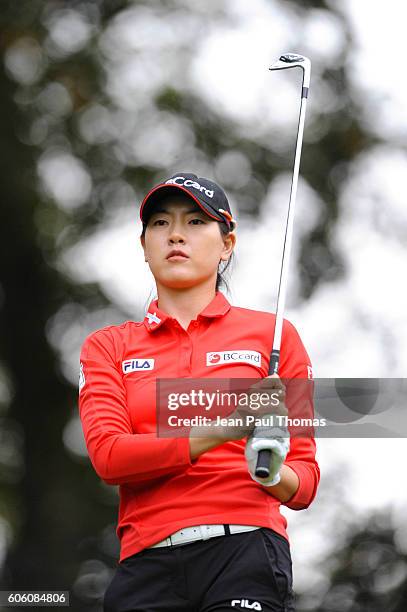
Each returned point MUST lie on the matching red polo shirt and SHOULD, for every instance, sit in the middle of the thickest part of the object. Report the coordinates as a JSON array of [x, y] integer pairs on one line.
[[161, 488]]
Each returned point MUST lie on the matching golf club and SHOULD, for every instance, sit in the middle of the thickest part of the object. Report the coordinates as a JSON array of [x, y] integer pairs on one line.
[[288, 60]]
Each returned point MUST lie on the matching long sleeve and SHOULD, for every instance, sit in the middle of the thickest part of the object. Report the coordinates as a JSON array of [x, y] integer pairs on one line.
[[307, 470], [296, 370], [118, 455]]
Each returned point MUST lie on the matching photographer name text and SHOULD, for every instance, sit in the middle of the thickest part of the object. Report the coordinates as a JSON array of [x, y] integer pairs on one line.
[[274, 420]]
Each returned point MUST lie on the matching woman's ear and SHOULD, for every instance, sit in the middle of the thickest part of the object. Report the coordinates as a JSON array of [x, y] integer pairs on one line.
[[143, 245], [229, 242]]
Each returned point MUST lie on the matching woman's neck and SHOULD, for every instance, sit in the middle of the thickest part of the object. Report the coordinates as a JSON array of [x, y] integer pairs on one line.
[[185, 304]]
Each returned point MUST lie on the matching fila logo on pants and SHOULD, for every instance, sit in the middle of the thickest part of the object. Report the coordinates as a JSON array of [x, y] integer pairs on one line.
[[244, 603], [180, 180]]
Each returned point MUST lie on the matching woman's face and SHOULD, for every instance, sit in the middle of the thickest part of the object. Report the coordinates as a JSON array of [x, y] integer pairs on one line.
[[178, 224]]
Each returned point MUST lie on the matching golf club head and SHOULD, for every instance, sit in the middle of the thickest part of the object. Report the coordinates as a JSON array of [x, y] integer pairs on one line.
[[293, 60]]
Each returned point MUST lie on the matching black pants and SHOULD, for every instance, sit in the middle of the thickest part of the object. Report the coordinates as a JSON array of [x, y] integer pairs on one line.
[[243, 571]]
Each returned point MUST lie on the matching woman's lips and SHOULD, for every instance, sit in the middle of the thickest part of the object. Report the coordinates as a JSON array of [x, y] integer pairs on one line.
[[177, 255]]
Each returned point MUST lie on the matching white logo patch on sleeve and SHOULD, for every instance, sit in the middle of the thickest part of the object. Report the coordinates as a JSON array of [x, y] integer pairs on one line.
[[82, 379], [136, 364], [310, 374], [229, 357]]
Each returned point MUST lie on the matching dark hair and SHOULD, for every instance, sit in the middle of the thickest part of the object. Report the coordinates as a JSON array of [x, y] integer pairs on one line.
[[220, 279]]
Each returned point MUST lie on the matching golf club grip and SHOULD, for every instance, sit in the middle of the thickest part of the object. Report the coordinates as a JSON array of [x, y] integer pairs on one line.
[[264, 456]]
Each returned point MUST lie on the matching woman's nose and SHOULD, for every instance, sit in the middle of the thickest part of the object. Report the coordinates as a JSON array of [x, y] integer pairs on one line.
[[176, 234], [176, 237]]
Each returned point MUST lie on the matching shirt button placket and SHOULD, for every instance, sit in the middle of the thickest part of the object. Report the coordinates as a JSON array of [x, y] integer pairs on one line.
[[185, 352]]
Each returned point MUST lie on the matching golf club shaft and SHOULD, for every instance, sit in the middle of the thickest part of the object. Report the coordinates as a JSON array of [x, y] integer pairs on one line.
[[264, 456]]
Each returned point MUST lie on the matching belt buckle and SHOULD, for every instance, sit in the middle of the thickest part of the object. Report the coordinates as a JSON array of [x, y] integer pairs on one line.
[[195, 533]]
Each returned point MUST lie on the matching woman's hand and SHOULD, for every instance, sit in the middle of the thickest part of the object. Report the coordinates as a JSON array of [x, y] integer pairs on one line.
[[244, 419], [273, 437], [272, 387]]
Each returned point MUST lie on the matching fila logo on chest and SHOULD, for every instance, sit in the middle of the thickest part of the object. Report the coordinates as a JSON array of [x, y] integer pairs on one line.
[[137, 364]]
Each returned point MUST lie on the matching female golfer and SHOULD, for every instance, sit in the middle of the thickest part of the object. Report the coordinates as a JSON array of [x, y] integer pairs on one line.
[[198, 530]]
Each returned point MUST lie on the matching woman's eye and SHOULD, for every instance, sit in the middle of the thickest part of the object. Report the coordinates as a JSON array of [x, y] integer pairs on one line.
[[161, 222], [196, 221]]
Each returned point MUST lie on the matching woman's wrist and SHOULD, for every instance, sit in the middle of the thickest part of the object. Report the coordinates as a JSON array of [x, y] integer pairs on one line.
[[288, 485], [197, 446], [203, 438]]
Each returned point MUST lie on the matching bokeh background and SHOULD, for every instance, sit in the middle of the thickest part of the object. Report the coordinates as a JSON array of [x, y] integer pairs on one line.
[[99, 101]]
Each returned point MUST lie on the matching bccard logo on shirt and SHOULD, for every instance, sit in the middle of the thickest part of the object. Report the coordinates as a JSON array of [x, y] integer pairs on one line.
[[214, 358], [237, 356], [136, 364]]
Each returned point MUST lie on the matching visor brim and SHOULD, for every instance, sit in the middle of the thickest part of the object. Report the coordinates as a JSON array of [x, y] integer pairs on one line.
[[158, 193]]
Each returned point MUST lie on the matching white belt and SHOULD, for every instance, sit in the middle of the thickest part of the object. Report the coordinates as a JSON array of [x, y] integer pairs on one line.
[[201, 532]]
